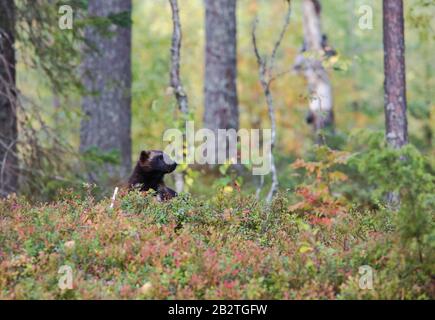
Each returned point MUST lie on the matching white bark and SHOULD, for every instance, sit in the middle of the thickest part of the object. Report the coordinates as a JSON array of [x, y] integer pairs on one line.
[[176, 84], [309, 63]]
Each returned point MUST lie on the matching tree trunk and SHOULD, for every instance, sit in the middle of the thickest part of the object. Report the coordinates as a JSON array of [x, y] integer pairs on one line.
[[395, 74], [107, 77], [321, 114], [8, 102], [220, 90], [175, 80]]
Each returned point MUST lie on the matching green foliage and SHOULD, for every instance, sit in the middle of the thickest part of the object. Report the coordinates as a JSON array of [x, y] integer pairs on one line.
[[50, 90], [421, 17], [96, 157], [44, 46], [406, 175]]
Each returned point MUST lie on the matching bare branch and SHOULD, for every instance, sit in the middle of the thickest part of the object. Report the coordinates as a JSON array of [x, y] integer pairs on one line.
[[281, 36], [266, 66], [254, 42], [279, 75]]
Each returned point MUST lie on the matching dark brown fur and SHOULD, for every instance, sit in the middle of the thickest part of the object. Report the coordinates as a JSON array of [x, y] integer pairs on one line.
[[149, 172]]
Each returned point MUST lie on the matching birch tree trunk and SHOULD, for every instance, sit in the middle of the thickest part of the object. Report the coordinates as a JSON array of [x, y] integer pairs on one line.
[[220, 90], [321, 114], [395, 74], [175, 80], [8, 118], [107, 76]]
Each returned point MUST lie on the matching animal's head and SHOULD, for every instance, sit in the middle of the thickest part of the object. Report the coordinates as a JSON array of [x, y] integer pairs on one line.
[[156, 161]]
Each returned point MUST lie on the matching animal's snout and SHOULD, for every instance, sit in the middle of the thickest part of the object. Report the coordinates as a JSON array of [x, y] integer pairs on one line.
[[167, 159], [171, 164], [171, 167]]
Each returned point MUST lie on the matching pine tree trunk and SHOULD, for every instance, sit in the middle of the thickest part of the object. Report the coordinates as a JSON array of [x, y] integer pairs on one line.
[[107, 77], [8, 119], [221, 102], [395, 74], [321, 114]]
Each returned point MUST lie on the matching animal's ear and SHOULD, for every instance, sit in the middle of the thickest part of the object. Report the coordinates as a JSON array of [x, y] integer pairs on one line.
[[144, 155]]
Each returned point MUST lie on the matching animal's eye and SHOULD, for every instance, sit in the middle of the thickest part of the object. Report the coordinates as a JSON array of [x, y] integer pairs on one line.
[[161, 157]]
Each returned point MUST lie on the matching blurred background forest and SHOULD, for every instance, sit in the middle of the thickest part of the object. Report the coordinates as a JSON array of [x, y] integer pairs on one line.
[[354, 185], [355, 72]]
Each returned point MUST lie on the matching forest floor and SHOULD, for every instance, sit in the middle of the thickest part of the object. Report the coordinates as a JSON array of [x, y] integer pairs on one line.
[[228, 247]]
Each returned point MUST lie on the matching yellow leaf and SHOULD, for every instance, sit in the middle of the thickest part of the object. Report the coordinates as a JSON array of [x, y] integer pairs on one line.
[[337, 176], [305, 248], [228, 189], [333, 60], [146, 288], [189, 181]]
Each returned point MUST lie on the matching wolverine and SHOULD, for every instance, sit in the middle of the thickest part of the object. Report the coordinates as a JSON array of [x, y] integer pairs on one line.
[[149, 172]]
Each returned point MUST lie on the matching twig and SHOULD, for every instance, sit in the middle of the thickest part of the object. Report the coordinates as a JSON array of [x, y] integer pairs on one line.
[[281, 37], [114, 198]]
